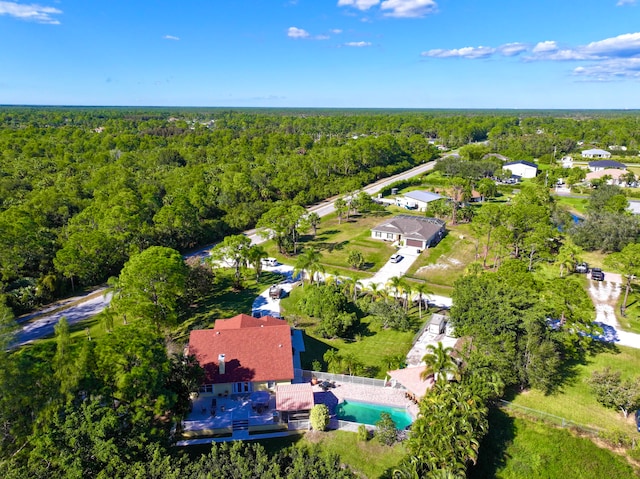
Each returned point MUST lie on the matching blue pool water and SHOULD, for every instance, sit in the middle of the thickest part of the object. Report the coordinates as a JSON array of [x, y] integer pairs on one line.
[[368, 413]]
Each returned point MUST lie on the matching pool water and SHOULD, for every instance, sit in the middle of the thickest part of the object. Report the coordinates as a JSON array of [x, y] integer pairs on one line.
[[368, 413]]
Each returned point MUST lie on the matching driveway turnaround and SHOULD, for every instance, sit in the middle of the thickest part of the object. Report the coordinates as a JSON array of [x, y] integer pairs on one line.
[[264, 305], [605, 296]]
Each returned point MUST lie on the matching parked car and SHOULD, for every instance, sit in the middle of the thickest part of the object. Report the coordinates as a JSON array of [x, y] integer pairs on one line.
[[582, 268], [396, 258], [269, 262], [275, 291], [597, 274]]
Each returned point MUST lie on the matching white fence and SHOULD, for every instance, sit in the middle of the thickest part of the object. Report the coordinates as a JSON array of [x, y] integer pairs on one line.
[[345, 378]]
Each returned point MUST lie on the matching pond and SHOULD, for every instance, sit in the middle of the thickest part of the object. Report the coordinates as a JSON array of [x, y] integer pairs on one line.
[[369, 413]]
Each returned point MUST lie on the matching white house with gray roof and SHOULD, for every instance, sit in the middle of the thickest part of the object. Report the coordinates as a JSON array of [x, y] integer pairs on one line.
[[407, 230], [596, 153], [418, 199]]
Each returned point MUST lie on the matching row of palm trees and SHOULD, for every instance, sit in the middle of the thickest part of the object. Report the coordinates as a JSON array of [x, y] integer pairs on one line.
[[310, 268]]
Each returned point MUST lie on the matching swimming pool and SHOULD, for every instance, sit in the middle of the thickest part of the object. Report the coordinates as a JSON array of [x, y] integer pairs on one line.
[[368, 413]]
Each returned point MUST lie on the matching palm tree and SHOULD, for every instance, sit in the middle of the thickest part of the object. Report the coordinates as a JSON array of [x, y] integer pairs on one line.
[[568, 256], [351, 286], [407, 289], [308, 263], [422, 289], [333, 360], [254, 256], [396, 283], [439, 363], [314, 220], [374, 291]]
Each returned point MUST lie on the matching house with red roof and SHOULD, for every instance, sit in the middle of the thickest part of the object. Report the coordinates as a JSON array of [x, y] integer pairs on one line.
[[244, 354]]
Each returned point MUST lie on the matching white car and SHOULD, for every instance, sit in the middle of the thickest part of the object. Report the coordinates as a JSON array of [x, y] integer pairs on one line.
[[269, 262], [396, 258]]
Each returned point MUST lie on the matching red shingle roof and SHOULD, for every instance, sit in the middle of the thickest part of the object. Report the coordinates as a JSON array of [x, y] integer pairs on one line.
[[255, 349], [294, 397]]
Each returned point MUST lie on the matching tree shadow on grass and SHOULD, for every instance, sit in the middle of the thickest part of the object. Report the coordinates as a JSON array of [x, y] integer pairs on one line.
[[314, 351], [493, 448]]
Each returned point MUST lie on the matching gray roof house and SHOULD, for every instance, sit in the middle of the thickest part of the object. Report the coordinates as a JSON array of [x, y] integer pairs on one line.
[[418, 199], [407, 230], [596, 153], [605, 164]]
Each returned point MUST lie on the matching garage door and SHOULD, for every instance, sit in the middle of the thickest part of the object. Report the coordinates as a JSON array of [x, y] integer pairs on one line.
[[414, 242]]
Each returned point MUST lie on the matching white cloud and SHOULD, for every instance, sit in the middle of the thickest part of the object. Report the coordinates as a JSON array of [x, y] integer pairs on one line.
[[171, 37], [359, 4], [466, 52], [322, 37], [336, 31], [32, 12], [357, 44], [546, 46], [626, 45], [610, 70], [512, 49], [295, 32], [622, 3], [408, 8]]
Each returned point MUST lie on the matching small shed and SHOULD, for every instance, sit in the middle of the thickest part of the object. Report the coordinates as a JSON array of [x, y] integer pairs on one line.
[[437, 323]]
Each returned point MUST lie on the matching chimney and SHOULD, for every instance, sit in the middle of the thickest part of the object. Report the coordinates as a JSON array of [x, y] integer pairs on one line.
[[221, 363]]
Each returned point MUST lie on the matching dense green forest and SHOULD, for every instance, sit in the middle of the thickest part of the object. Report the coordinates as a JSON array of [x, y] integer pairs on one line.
[[81, 189]]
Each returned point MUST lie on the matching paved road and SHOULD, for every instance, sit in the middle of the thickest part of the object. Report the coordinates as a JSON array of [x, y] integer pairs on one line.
[[44, 326], [40, 324]]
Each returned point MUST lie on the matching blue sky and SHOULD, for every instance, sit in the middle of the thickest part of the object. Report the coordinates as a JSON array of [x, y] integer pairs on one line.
[[322, 53]]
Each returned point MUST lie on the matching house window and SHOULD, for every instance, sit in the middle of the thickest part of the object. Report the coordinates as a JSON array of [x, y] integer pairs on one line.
[[206, 388], [271, 384], [239, 388], [378, 234], [389, 235]]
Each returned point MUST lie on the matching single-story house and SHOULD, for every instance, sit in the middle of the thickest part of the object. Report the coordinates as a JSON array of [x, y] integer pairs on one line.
[[523, 169], [566, 162], [595, 153], [244, 354], [407, 230], [615, 174], [418, 200], [605, 164]]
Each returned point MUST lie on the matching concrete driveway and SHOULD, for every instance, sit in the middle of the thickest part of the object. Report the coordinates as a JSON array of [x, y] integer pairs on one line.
[[390, 270], [605, 296]]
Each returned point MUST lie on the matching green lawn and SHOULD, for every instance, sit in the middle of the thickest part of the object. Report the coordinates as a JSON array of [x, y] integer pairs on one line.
[[576, 205], [334, 240], [370, 347], [517, 448], [631, 320], [368, 459], [576, 403]]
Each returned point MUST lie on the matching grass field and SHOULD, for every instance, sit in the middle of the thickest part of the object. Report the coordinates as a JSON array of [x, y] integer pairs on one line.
[[446, 262], [631, 320], [368, 459], [576, 205], [517, 448], [576, 403]]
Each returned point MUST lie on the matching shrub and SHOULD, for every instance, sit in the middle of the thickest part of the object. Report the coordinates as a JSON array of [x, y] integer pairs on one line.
[[363, 433], [319, 417], [386, 430]]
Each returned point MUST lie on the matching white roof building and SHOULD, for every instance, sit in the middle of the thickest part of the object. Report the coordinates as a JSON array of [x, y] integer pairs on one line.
[[596, 153]]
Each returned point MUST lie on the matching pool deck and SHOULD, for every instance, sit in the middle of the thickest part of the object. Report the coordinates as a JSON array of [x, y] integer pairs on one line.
[[372, 394]]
